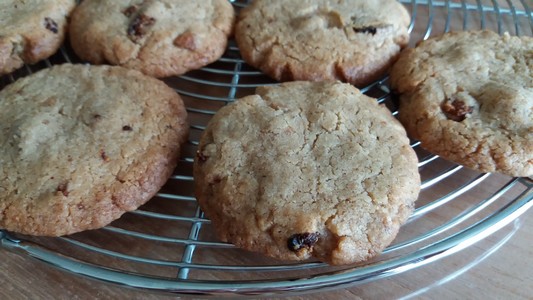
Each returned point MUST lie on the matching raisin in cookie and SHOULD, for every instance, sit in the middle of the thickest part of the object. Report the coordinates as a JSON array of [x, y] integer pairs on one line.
[[307, 170], [158, 37], [354, 41], [31, 30], [81, 145], [468, 97]]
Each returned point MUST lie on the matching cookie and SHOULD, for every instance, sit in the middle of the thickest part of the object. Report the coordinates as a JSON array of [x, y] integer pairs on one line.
[[31, 31], [353, 41], [307, 170], [157, 37], [81, 145], [468, 97]]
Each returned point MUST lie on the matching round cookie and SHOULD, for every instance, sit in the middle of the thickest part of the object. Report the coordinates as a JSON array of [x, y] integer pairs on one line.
[[468, 97], [157, 37], [354, 41], [307, 170], [81, 145], [31, 31]]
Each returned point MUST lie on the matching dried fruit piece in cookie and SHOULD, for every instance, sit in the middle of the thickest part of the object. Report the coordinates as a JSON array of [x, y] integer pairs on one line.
[[139, 27], [301, 241]]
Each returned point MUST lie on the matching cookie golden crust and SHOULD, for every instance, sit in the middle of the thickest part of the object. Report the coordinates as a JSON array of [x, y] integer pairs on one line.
[[468, 97], [81, 145], [307, 170], [353, 40], [31, 30], [157, 37]]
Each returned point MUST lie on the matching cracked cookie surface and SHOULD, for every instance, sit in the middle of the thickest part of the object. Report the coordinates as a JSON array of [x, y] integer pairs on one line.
[[157, 37], [353, 41], [81, 145], [307, 170], [468, 97], [31, 31]]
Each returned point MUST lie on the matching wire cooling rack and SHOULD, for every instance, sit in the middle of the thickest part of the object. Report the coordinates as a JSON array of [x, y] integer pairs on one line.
[[168, 245]]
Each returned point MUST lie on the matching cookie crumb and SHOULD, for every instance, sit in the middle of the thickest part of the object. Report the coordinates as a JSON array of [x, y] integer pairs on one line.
[[302, 240], [50, 25], [456, 110]]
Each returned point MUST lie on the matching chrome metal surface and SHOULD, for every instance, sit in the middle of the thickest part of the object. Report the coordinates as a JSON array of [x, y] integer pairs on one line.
[[168, 245]]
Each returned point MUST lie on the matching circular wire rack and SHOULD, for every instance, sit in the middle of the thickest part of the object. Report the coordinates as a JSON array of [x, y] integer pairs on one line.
[[168, 245]]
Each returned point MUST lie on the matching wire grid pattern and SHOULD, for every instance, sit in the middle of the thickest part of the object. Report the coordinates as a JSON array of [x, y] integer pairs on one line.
[[173, 248]]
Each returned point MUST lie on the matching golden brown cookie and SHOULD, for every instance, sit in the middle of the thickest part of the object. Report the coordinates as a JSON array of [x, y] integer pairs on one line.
[[353, 41], [31, 30], [307, 170], [468, 97], [81, 145], [157, 37]]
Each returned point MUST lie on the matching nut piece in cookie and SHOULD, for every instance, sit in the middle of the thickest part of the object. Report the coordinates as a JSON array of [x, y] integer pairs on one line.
[[468, 97], [307, 170]]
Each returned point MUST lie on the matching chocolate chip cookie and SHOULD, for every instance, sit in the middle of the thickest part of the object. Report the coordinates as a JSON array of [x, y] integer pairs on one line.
[[307, 170], [353, 41], [468, 97], [158, 37], [81, 145], [31, 31]]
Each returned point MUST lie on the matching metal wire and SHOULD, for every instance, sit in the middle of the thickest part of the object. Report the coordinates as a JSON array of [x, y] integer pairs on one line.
[[185, 230]]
